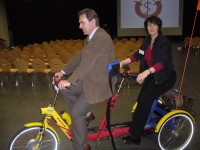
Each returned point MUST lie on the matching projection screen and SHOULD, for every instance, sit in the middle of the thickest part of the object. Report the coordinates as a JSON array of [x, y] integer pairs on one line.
[[132, 13]]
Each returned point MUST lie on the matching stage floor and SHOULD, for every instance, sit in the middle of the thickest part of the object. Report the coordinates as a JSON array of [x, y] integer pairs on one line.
[[20, 105]]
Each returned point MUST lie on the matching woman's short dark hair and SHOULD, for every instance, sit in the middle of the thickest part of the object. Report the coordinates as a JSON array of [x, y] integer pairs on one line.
[[155, 20], [90, 14]]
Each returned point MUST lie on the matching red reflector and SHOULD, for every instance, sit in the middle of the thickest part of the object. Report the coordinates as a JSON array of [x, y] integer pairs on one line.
[[128, 71]]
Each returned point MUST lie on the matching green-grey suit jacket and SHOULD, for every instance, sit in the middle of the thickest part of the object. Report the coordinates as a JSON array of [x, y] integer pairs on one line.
[[89, 67]]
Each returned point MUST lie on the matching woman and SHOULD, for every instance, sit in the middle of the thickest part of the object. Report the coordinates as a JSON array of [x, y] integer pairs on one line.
[[156, 73]]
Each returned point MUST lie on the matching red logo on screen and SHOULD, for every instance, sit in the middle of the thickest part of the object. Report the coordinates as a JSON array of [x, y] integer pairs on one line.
[[146, 8]]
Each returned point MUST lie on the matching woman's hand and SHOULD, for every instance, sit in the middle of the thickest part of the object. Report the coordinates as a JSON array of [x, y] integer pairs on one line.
[[121, 64], [124, 62], [141, 77]]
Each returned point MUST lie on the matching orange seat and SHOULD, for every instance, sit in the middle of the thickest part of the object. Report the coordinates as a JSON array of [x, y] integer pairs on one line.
[[5, 70], [23, 69], [39, 69]]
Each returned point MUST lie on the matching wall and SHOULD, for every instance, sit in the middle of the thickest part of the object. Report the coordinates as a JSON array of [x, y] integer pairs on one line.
[[43, 20], [3, 25]]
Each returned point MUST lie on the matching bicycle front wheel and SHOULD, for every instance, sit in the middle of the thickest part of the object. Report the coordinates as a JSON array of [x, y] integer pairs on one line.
[[176, 132], [26, 139]]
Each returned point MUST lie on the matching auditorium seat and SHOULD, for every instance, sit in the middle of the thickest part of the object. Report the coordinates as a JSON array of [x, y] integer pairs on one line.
[[40, 70], [23, 71], [6, 71]]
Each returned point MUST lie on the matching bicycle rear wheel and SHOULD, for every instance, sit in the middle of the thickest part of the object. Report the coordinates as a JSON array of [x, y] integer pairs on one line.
[[26, 139], [176, 132]]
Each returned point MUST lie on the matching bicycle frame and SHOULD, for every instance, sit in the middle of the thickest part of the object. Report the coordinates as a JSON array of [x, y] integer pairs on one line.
[[101, 131]]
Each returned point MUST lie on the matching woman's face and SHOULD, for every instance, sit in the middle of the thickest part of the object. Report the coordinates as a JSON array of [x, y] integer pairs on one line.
[[152, 29]]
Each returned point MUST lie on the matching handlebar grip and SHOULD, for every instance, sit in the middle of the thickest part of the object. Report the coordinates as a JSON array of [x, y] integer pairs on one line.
[[56, 79], [126, 67]]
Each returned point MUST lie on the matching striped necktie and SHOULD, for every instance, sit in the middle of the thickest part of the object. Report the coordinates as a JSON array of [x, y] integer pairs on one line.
[[87, 40]]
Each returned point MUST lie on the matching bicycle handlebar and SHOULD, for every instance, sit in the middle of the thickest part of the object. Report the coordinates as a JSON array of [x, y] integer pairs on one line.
[[129, 74], [126, 74]]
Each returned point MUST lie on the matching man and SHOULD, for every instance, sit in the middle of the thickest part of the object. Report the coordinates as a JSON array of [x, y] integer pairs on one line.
[[89, 81]]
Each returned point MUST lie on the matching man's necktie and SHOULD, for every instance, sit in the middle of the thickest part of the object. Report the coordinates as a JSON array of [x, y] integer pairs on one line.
[[87, 40]]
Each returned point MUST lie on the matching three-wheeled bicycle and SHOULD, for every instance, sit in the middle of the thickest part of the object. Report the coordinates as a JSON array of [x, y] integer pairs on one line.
[[174, 128]]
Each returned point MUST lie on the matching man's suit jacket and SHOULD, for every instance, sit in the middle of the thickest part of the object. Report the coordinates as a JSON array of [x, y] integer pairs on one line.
[[89, 67]]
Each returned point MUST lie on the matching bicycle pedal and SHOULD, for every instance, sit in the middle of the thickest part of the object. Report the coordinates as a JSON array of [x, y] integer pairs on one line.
[[125, 142], [167, 109]]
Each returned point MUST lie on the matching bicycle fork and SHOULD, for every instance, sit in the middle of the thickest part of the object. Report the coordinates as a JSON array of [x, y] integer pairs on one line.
[[39, 137]]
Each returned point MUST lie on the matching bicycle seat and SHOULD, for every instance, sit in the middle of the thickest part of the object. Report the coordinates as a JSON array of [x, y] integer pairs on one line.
[[113, 68]]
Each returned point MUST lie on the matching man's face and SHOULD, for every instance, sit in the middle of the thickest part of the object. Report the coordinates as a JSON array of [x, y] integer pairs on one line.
[[86, 25]]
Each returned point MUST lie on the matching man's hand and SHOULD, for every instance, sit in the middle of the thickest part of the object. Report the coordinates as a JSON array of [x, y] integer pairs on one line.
[[63, 84], [58, 75]]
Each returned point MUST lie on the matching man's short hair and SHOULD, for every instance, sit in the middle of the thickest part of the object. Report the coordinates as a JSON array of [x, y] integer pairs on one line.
[[90, 14]]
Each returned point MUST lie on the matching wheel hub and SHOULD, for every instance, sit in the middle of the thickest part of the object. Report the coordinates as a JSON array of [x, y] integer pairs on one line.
[[31, 144], [176, 134]]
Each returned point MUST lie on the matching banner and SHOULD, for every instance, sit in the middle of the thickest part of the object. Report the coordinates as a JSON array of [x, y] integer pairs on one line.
[[134, 12]]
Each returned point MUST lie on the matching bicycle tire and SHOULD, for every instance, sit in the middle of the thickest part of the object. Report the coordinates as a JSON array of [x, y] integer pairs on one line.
[[25, 139], [176, 132]]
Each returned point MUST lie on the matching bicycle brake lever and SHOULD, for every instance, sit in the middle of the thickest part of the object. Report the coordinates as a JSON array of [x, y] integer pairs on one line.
[[56, 79]]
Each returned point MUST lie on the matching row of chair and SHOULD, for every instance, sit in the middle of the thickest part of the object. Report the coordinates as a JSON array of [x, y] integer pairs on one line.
[[12, 55], [21, 68], [194, 44], [65, 49], [125, 47], [48, 58]]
